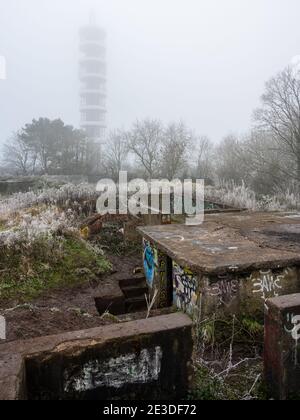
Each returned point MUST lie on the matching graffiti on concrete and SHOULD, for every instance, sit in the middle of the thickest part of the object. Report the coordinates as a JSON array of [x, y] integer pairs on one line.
[[155, 268], [174, 237], [162, 274], [292, 327], [135, 368], [170, 236], [185, 289], [225, 290], [267, 284], [149, 261]]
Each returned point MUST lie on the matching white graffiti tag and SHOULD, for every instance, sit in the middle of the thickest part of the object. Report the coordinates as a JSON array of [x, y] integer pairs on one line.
[[295, 330], [267, 284], [294, 321], [226, 290]]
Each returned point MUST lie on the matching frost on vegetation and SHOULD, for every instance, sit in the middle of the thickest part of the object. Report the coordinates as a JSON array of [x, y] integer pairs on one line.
[[71, 196], [27, 228], [26, 216], [241, 196]]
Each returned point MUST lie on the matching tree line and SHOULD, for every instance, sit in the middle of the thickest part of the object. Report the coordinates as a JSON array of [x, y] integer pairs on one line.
[[267, 158]]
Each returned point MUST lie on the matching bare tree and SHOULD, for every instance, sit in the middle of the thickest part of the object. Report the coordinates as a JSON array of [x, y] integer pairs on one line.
[[203, 153], [17, 155], [280, 115], [229, 164], [115, 154], [145, 142], [267, 168], [177, 140]]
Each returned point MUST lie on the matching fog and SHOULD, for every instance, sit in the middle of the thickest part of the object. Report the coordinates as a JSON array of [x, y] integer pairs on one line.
[[204, 62]]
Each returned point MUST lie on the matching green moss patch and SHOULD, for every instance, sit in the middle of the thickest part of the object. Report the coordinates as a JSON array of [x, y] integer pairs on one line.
[[27, 270]]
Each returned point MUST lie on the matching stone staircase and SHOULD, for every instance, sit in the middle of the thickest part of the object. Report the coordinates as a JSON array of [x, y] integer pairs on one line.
[[134, 291], [126, 296]]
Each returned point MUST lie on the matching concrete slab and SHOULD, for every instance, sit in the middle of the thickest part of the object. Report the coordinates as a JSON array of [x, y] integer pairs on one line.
[[231, 242]]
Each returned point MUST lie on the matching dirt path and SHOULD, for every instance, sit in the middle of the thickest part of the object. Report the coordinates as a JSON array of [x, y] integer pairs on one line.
[[67, 309]]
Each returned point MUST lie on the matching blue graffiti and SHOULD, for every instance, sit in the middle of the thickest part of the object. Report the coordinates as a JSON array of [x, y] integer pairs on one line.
[[149, 264]]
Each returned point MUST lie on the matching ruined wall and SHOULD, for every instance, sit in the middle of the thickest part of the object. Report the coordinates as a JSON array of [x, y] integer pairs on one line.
[[143, 359], [11, 187], [246, 294], [282, 347], [202, 295], [242, 294]]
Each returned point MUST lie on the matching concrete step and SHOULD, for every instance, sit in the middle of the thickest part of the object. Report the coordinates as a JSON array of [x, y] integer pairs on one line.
[[128, 295], [133, 281], [134, 287], [135, 304], [135, 291]]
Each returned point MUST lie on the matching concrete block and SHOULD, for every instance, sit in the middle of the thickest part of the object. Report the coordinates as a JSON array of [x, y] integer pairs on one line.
[[143, 359], [282, 347]]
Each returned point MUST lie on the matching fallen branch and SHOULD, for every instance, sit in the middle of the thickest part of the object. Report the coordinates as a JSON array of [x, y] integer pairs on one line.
[[248, 394], [237, 365], [150, 303]]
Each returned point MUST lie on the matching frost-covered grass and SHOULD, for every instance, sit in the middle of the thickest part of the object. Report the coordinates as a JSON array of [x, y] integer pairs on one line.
[[26, 216], [79, 198], [29, 224], [240, 196], [40, 246]]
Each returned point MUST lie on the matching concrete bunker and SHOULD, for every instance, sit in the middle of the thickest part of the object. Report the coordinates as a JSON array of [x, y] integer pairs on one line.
[[129, 294], [232, 263]]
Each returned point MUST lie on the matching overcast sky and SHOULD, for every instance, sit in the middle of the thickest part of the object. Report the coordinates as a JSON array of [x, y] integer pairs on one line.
[[202, 61]]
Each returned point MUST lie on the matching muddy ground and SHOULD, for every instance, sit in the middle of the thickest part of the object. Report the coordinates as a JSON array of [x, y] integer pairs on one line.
[[65, 309], [228, 363]]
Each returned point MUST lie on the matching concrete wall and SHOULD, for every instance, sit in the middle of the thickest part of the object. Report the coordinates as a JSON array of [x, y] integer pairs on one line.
[[240, 294], [25, 184], [282, 347], [201, 295], [11, 187], [143, 359], [246, 294]]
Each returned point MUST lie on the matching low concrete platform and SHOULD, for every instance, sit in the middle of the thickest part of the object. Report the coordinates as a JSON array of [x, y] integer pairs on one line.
[[142, 359], [225, 262], [231, 242]]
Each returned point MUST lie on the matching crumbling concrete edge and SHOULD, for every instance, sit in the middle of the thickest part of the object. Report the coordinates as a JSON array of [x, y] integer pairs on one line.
[[210, 270], [13, 355]]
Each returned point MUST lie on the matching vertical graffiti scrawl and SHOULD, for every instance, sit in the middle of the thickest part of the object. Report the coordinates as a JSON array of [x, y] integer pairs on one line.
[[185, 286], [149, 261]]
